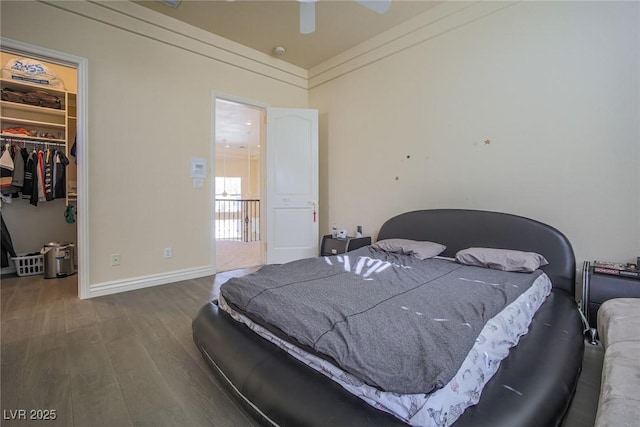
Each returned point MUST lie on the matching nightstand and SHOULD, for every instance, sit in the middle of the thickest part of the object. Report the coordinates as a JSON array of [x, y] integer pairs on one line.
[[598, 288], [334, 246]]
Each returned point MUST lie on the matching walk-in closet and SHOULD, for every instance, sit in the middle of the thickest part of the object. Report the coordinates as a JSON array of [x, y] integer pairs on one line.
[[38, 124]]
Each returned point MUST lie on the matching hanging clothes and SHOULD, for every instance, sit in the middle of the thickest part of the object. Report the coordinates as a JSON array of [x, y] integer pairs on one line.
[[59, 175], [41, 194], [40, 175], [6, 246], [48, 175], [27, 186], [18, 171], [6, 170], [33, 165]]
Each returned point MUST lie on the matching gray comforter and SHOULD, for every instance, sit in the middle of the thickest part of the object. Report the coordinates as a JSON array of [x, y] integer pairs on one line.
[[398, 323]]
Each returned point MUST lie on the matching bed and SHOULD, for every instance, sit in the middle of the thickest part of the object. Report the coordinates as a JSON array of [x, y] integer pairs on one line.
[[533, 385]]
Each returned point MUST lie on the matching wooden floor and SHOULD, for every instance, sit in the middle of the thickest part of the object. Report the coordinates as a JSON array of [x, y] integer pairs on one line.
[[129, 359], [119, 360], [234, 255]]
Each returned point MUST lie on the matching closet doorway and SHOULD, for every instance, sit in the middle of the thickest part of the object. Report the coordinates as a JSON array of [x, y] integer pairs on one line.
[[238, 205], [54, 128]]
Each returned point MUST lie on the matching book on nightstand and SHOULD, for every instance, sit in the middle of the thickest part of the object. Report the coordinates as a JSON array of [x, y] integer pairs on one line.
[[616, 269]]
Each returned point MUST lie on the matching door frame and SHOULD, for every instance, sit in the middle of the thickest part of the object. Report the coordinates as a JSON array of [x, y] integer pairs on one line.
[[82, 154], [215, 95]]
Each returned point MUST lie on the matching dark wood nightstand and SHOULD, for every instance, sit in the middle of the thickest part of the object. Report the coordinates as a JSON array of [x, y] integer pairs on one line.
[[598, 288], [334, 246]]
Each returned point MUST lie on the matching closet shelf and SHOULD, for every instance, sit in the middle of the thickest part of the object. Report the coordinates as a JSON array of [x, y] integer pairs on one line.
[[22, 85], [32, 122], [31, 108]]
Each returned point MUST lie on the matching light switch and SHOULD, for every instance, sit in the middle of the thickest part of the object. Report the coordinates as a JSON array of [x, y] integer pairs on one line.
[[198, 183]]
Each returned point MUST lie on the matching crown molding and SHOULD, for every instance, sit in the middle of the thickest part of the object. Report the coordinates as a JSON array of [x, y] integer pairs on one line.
[[145, 22], [148, 23], [437, 21]]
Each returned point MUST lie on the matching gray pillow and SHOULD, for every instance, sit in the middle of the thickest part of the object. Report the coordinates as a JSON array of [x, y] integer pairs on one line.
[[420, 250], [501, 259]]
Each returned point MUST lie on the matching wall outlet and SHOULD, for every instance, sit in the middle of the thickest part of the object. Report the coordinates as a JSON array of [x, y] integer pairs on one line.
[[168, 252], [115, 259]]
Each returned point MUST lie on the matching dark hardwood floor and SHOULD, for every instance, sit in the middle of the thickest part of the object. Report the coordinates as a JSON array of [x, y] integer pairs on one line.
[[118, 360], [129, 359]]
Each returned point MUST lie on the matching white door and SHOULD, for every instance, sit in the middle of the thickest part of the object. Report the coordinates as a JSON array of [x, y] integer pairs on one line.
[[291, 184]]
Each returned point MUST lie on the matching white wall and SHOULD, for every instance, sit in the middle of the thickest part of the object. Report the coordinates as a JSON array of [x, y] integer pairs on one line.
[[150, 103], [31, 227], [554, 87]]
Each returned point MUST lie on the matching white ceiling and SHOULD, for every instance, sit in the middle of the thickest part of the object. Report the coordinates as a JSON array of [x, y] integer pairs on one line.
[[238, 129], [264, 24]]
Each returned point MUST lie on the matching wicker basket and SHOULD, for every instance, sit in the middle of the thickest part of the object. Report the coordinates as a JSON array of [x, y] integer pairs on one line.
[[29, 265]]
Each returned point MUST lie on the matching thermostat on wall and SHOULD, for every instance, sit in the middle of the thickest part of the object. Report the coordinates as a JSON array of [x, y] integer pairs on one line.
[[198, 167]]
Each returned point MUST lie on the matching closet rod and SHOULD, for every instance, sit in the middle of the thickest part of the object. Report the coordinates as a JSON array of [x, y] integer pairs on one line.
[[11, 139]]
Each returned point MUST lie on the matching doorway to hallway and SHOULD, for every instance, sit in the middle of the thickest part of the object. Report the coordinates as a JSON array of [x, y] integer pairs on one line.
[[238, 207]]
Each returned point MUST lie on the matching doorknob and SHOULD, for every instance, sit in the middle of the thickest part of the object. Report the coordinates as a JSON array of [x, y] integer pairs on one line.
[[314, 203]]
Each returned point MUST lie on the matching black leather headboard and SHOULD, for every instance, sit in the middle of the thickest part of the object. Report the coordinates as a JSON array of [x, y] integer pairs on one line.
[[460, 228]]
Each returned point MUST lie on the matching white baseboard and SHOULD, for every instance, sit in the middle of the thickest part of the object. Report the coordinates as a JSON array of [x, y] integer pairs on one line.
[[11, 269], [123, 285]]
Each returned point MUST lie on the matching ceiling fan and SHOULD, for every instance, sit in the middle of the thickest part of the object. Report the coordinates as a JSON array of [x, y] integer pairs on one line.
[[308, 12]]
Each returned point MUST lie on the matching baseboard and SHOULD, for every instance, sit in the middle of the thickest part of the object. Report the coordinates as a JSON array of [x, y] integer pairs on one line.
[[11, 269], [130, 284]]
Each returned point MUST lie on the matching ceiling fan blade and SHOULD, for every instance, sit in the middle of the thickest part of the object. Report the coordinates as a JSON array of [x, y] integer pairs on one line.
[[380, 6], [307, 16], [172, 3]]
